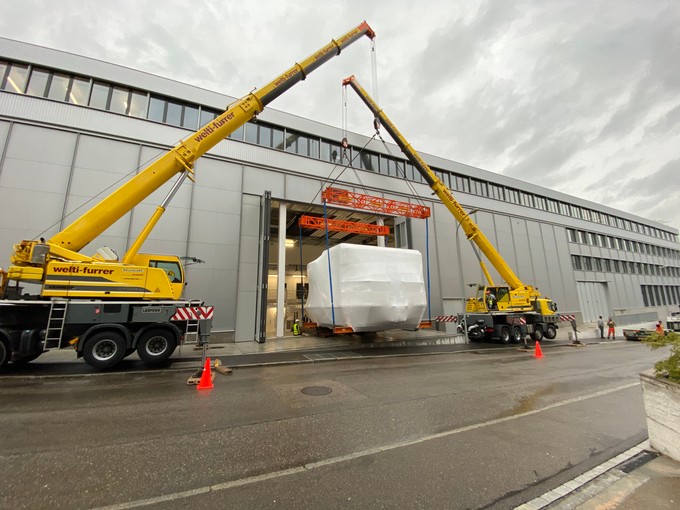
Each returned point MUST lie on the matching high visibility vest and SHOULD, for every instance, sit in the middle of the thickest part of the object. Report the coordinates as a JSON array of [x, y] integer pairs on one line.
[[296, 329]]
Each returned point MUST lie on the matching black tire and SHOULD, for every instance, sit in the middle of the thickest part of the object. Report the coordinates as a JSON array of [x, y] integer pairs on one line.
[[537, 335], [104, 349], [517, 335], [506, 337], [550, 332], [156, 346], [4, 351]]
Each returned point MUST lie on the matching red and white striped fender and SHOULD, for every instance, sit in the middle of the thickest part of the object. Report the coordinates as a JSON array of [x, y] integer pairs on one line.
[[446, 318], [193, 313]]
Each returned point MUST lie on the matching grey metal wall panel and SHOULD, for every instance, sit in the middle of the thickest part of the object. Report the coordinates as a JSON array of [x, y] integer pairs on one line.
[[33, 182], [256, 181], [593, 301], [4, 130], [567, 284], [524, 268], [541, 279], [550, 251], [246, 307]]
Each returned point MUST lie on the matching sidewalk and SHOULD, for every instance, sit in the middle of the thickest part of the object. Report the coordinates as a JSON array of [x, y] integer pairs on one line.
[[638, 479]]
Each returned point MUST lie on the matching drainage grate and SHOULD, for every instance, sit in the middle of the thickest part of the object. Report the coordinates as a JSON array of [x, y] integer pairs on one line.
[[640, 459], [316, 391]]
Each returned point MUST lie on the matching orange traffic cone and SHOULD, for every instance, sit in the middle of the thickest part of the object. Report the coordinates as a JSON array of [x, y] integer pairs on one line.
[[206, 377], [537, 351]]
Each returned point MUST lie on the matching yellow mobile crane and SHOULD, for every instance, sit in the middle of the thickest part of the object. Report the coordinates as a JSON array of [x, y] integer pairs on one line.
[[139, 303], [509, 312]]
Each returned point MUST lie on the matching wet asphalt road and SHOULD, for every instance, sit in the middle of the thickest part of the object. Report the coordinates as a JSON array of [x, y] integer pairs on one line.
[[490, 429]]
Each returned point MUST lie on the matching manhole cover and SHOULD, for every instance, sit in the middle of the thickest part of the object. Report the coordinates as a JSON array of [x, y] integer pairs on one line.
[[316, 391]]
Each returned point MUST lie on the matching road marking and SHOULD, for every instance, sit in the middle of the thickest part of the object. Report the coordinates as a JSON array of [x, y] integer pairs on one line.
[[352, 456]]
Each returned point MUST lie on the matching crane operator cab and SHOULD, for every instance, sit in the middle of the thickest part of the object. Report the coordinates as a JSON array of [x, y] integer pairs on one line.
[[165, 275], [489, 299]]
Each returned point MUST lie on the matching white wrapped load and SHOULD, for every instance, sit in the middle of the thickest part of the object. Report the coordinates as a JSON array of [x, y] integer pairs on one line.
[[374, 288]]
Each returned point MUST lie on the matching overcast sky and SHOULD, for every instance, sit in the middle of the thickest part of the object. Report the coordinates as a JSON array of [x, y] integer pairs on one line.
[[581, 96]]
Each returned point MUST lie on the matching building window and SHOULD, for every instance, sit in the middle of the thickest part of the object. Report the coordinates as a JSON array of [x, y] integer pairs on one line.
[[190, 117], [314, 148], [598, 264], [16, 79], [100, 96], [207, 115], [571, 234], [576, 262], [462, 184], [330, 152], [587, 264], [38, 83], [119, 100], [496, 192], [368, 161], [138, 104], [479, 188], [615, 265], [607, 265], [237, 134], [80, 91], [581, 235], [59, 86], [251, 132], [173, 113], [3, 71], [526, 199]]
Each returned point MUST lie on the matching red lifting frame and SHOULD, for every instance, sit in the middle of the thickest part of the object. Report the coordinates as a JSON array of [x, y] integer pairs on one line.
[[375, 204], [344, 226]]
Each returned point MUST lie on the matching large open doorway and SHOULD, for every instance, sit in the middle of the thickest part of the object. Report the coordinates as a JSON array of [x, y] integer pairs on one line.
[[301, 246]]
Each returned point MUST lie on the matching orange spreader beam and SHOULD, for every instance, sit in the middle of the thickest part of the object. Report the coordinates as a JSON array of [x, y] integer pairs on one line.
[[354, 227], [375, 204]]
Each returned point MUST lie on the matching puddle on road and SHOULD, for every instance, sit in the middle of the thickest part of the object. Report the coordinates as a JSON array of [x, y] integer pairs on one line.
[[528, 402]]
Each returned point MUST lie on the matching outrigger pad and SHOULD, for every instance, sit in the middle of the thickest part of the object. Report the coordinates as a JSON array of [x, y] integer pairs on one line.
[[196, 378]]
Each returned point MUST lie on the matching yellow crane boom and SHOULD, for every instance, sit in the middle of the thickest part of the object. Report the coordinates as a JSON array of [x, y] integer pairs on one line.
[[33, 260], [518, 296]]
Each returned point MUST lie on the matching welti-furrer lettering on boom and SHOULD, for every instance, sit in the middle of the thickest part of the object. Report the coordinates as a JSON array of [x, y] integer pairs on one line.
[[81, 270], [217, 123]]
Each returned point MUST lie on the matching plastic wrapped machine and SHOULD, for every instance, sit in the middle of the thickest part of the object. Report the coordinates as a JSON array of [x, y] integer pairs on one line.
[[374, 288]]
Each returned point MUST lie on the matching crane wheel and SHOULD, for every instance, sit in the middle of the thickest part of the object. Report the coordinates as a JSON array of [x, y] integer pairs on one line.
[[537, 335], [156, 346], [4, 351], [506, 337], [550, 332], [517, 336], [104, 349]]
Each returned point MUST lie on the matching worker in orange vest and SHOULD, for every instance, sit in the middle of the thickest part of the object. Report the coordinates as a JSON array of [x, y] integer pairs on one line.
[[659, 328]]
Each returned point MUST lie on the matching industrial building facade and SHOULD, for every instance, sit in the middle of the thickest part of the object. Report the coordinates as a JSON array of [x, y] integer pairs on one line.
[[73, 128]]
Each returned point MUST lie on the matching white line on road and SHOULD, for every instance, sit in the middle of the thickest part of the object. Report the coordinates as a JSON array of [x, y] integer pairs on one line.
[[352, 456]]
